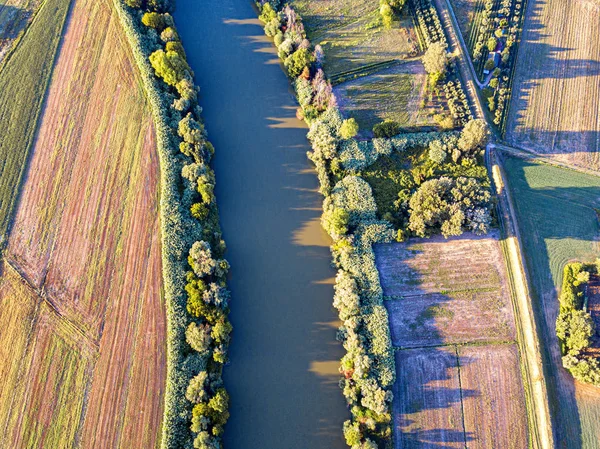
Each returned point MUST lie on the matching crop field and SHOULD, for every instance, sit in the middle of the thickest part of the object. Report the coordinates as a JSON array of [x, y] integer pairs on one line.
[[42, 390], [556, 99], [427, 404], [22, 86], [392, 94], [365, 42], [15, 15], [492, 392], [437, 297], [556, 214], [451, 318], [92, 254]]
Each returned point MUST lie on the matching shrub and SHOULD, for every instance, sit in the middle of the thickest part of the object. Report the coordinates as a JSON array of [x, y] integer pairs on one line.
[[387, 128]]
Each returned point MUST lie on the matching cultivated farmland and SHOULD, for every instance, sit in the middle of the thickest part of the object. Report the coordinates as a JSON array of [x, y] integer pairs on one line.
[[89, 255], [556, 214], [459, 381], [22, 86], [556, 99]]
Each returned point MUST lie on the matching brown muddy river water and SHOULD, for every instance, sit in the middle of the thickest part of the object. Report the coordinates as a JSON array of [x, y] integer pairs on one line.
[[283, 377]]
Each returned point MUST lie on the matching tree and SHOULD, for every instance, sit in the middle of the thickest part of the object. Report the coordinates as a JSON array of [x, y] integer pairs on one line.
[[489, 65], [387, 14], [154, 20], [335, 222], [581, 329], [437, 153], [491, 43], [474, 135], [297, 61], [349, 128], [435, 59], [199, 337], [200, 259], [352, 433], [196, 392], [170, 66]]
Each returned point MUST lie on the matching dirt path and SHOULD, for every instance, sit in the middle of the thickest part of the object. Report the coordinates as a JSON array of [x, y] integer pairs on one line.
[[525, 315]]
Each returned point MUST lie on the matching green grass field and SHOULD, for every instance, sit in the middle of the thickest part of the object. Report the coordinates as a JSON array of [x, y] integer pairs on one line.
[[366, 41], [320, 16], [391, 94], [556, 213], [23, 82]]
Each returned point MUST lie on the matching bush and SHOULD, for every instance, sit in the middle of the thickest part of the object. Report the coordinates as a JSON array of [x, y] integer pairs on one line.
[[387, 128]]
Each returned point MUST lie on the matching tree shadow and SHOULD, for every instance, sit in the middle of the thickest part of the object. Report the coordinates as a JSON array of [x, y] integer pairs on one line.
[[428, 398], [557, 224], [12, 21], [539, 62]]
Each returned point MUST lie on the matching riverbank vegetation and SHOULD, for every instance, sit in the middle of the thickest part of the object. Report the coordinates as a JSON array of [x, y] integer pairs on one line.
[[196, 405], [24, 78], [352, 218]]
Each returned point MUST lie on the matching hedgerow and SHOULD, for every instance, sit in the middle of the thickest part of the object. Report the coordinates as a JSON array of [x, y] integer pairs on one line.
[[575, 326], [194, 271], [350, 217]]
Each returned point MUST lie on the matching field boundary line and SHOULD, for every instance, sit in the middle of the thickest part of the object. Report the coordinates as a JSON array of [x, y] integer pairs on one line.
[[460, 390], [525, 318], [528, 154], [466, 344], [441, 292]]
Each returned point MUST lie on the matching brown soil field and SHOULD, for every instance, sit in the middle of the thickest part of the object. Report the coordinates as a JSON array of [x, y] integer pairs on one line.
[[439, 265], [446, 291], [496, 416], [427, 400], [446, 300], [436, 319], [92, 254], [15, 16], [555, 107]]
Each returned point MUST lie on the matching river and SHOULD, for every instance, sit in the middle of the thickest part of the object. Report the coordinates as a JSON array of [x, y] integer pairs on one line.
[[283, 378]]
